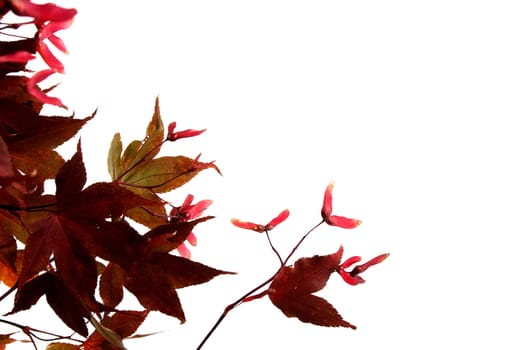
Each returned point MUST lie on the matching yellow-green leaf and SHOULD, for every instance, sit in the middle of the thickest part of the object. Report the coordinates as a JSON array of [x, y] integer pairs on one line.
[[115, 152], [163, 174]]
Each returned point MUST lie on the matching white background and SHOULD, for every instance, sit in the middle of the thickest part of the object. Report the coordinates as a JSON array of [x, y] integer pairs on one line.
[[414, 108]]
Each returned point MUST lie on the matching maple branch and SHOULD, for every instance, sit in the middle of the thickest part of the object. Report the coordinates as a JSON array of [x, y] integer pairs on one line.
[[30, 332], [23, 329], [248, 296]]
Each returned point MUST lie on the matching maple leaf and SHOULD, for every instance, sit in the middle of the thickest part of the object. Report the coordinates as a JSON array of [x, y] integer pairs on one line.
[[292, 288], [111, 285], [59, 296], [32, 138], [154, 278], [137, 151], [123, 323]]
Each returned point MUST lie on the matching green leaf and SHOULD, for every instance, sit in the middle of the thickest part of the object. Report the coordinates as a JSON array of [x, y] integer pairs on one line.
[[142, 151], [114, 157], [164, 174]]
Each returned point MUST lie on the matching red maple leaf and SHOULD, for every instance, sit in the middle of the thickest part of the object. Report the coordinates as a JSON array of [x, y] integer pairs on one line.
[[292, 288]]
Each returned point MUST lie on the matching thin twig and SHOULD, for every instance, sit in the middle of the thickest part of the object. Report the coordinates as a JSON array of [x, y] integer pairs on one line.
[[273, 247]]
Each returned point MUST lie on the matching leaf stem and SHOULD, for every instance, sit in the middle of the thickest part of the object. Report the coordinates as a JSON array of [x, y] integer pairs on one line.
[[301, 241], [273, 247]]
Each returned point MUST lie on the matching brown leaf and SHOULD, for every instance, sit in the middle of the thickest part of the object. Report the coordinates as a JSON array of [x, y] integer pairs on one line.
[[111, 285], [125, 323], [6, 339]]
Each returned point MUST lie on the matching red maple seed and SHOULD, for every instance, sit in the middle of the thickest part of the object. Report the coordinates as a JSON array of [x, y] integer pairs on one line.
[[175, 135], [353, 277], [262, 228], [335, 220]]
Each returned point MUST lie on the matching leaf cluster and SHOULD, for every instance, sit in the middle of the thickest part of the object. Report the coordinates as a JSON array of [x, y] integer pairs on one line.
[[79, 247]]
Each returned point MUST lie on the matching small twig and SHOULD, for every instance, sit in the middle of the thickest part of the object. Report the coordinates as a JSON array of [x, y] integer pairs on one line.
[[301, 241], [273, 247], [11, 290]]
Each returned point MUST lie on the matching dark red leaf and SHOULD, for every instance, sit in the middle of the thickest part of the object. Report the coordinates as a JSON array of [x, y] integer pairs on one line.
[[154, 292], [112, 241], [104, 200], [38, 250], [70, 180], [52, 236], [65, 304], [154, 280], [29, 293], [292, 288]]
